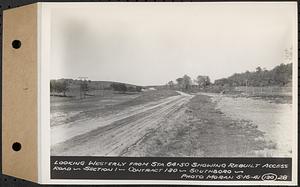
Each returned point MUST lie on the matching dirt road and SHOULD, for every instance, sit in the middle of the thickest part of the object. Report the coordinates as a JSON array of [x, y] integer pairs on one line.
[[113, 135]]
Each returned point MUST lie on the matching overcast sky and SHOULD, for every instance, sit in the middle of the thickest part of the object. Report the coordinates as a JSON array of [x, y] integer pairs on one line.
[[153, 43]]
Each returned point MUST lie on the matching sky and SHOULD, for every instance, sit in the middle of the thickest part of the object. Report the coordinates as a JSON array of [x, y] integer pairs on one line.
[[153, 43]]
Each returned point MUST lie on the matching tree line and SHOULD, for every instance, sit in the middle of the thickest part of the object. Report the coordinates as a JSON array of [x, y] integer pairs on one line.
[[59, 86], [281, 75], [186, 83], [123, 88], [62, 86]]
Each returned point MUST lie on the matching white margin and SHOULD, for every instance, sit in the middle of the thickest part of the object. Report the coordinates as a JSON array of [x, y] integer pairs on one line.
[[44, 91]]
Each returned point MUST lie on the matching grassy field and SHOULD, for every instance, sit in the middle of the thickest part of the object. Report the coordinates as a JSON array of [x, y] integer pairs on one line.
[[105, 102], [272, 94]]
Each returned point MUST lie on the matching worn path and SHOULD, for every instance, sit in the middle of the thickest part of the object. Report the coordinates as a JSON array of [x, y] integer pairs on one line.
[[113, 135]]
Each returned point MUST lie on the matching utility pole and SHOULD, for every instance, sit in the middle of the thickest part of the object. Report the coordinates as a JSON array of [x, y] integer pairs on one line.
[[83, 86]]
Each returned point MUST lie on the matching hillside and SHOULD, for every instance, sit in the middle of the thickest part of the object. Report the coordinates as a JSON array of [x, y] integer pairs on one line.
[[97, 85]]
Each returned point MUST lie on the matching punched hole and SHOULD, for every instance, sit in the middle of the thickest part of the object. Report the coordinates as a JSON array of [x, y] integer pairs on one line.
[[16, 146], [16, 44]]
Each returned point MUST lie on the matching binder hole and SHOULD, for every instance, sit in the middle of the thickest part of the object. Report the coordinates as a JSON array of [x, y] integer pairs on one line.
[[16, 146], [16, 44]]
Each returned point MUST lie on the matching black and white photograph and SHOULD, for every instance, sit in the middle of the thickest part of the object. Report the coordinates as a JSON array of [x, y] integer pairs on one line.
[[173, 80]]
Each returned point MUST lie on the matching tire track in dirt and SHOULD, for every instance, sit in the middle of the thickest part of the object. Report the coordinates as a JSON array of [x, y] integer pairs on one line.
[[67, 131], [137, 131], [113, 139]]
